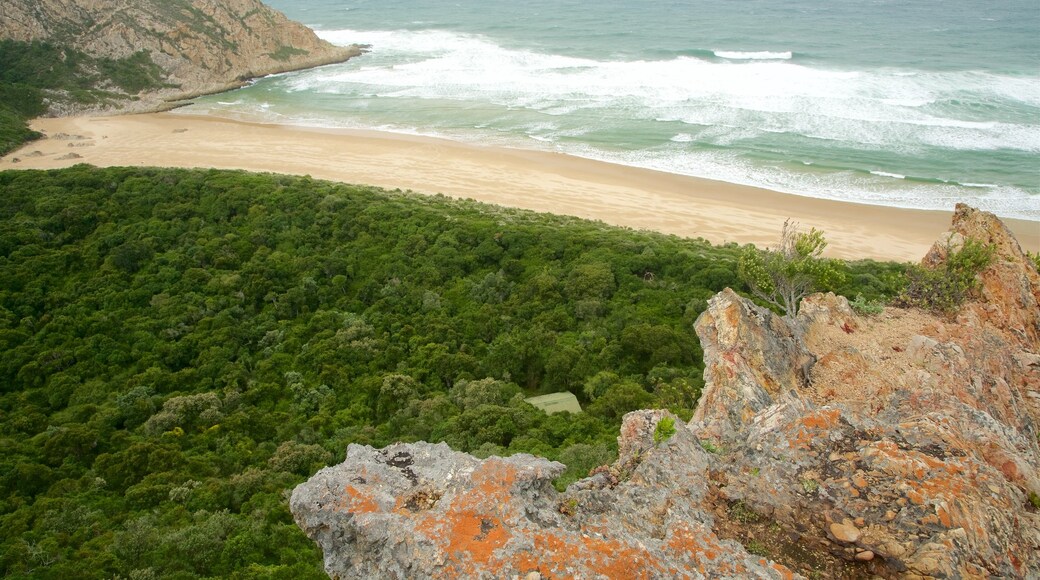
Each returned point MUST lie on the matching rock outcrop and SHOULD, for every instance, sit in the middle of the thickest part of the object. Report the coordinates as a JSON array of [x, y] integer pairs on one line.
[[204, 46], [896, 445], [425, 511], [912, 442]]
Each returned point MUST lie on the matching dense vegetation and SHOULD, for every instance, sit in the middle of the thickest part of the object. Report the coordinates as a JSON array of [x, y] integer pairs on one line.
[[180, 348], [943, 289], [29, 71]]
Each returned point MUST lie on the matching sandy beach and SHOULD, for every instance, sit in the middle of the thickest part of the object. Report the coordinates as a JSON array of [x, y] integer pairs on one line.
[[541, 181]]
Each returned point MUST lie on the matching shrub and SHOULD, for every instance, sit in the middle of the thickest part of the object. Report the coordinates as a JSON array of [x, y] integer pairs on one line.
[[1035, 258], [782, 276], [943, 289], [710, 447], [865, 307], [664, 430], [740, 512]]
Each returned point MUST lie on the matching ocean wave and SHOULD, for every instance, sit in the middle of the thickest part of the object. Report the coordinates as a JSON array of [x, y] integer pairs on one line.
[[887, 174], [755, 55], [435, 59], [446, 81], [875, 108], [842, 185]]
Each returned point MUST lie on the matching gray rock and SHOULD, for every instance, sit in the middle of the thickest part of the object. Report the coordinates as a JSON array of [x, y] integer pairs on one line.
[[424, 511], [753, 362]]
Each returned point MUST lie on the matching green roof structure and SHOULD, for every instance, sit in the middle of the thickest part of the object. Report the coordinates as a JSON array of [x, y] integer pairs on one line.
[[556, 403]]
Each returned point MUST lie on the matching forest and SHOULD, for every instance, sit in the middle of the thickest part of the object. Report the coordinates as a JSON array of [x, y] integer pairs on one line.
[[183, 347]]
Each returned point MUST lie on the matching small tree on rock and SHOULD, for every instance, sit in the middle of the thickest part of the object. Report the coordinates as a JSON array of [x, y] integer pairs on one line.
[[782, 276]]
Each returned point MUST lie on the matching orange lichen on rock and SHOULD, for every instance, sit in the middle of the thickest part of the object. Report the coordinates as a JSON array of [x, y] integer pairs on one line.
[[356, 501], [501, 516], [824, 419], [935, 417], [558, 553]]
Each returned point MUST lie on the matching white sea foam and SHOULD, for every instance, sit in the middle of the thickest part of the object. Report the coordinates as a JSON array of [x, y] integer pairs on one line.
[[446, 81], [759, 55], [887, 174], [841, 185], [439, 64]]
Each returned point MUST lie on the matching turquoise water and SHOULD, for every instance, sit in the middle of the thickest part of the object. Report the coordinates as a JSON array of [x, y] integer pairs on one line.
[[911, 103]]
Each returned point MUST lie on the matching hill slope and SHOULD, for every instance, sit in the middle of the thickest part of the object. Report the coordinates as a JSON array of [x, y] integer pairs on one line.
[[202, 46], [62, 58]]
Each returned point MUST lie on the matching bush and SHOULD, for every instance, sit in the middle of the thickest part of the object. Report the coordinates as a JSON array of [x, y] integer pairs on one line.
[[1035, 258], [782, 276], [664, 430], [865, 307], [14, 130], [945, 288]]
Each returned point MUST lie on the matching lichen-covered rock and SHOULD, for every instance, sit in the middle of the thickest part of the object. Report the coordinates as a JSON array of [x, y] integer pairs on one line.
[[916, 449], [410, 507], [754, 367], [423, 511], [1010, 286]]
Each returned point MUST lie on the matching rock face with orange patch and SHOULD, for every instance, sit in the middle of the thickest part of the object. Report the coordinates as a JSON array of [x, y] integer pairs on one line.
[[753, 359], [424, 511], [914, 439], [1011, 284]]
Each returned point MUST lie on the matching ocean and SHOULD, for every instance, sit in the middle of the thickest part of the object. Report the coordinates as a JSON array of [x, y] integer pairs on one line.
[[908, 103]]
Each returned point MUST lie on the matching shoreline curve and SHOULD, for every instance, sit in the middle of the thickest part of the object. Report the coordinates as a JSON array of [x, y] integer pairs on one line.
[[537, 180]]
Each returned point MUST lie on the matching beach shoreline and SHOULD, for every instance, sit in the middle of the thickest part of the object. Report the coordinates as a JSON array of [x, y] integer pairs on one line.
[[537, 180]]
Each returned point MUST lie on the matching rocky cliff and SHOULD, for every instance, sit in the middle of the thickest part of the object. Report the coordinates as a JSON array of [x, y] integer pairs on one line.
[[203, 46], [896, 445]]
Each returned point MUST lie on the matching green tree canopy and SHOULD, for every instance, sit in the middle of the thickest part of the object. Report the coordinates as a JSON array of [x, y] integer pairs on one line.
[[783, 275]]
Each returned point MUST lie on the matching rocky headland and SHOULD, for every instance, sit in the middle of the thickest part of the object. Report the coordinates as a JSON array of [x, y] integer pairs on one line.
[[201, 46], [900, 444]]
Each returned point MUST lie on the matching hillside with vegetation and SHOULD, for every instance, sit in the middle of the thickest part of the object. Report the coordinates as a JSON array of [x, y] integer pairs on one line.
[[60, 57], [181, 348], [37, 76]]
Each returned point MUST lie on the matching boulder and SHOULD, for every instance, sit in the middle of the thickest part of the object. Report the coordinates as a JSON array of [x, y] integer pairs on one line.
[[424, 511], [754, 367]]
